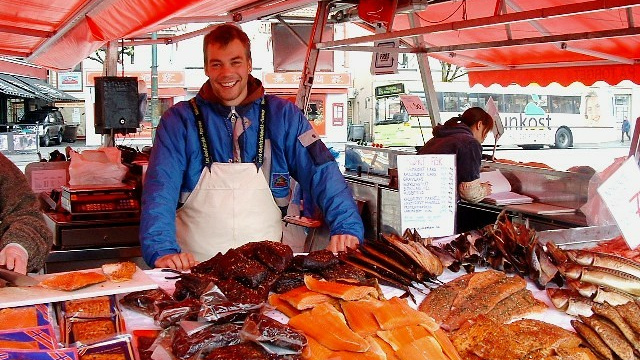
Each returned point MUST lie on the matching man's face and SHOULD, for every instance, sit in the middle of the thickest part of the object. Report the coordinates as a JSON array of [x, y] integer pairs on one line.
[[228, 69]]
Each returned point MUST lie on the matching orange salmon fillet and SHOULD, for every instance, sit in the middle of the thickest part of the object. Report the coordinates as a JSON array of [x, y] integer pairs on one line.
[[339, 290], [327, 326]]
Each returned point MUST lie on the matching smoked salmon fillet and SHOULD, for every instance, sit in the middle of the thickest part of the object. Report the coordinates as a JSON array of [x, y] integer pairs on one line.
[[340, 290], [439, 300], [327, 325], [359, 315], [73, 280], [396, 312], [426, 348], [284, 307], [485, 290], [302, 298]]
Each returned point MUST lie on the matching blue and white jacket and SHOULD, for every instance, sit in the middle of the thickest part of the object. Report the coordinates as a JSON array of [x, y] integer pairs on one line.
[[292, 149]]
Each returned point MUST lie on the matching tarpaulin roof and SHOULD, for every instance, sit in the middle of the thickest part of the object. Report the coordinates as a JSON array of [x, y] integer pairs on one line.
[[498, 41], [523, 41], [59, 34]]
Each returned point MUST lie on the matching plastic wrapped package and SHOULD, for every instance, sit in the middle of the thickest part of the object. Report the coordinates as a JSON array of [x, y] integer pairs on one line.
[[171, 312], [41, 337], [144, 301], [116, 348], [89, 320], [193, 339], [25, 317], [275, 337], [216, 308]]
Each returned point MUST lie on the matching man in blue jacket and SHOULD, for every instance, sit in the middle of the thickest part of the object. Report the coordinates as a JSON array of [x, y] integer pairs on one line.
[[219, 171]]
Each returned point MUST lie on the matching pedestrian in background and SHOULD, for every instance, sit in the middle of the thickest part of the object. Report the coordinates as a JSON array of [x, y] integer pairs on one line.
[[626, 127]]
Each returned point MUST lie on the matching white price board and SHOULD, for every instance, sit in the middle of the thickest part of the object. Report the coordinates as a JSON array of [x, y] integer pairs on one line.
[[427, 186], [621, 193]]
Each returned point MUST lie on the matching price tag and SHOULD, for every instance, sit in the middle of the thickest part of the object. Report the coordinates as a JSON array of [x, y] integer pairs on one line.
[[427, 186], [47, 180], [621, 193], [414, 105], [492, 109]]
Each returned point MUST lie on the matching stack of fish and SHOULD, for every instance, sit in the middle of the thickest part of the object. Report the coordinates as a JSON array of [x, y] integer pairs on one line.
[[348, 321], [604, 295], [397, 261]]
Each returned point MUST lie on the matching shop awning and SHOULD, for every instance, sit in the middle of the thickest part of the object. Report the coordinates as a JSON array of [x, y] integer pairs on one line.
[[11, 90], [31, 88], [521, 41], [498, 41]]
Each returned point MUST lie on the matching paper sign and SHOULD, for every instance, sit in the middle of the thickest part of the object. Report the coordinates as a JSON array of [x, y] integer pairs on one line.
[[414, 105], [427, 193], [384, 62], [492, 108], [47, 180], [621, 193]]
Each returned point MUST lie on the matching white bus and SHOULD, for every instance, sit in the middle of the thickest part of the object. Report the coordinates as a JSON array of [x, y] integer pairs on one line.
[[532, 116]]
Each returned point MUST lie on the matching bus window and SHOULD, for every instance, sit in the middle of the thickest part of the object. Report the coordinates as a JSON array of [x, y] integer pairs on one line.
[[564, 104]]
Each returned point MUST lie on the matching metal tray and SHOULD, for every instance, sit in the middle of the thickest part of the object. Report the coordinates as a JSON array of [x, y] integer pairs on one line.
[[580, 237]]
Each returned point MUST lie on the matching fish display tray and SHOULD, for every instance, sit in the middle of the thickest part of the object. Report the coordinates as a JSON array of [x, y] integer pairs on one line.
[[580, 237], [22, 296]]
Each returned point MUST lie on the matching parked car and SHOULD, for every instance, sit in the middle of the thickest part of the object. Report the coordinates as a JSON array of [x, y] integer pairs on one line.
[[47, 122]]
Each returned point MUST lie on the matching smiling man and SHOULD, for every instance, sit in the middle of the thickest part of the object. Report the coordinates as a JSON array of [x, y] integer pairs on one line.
[[219, 171]]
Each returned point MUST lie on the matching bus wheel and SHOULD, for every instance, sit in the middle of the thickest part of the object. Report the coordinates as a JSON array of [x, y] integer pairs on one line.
[[564, 139]]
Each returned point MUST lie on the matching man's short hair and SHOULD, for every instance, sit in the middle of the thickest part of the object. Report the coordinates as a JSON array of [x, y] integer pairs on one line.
[[223, 35]]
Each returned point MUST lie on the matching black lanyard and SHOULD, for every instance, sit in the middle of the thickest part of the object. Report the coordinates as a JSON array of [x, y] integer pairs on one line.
[[204, 142]]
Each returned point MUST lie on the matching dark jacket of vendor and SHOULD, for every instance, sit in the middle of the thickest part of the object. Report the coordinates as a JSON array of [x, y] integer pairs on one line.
[[25, 239], [462, 136]]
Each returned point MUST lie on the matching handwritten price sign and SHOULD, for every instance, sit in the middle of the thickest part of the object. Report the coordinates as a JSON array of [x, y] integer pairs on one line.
[[427, 185], [414, 105], [621, 193]]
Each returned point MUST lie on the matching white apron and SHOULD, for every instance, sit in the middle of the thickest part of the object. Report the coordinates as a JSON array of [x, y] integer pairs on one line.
[[230, 206]]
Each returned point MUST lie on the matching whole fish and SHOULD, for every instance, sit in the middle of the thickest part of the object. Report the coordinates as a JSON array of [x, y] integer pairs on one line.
[[602, 276], [611, 336], [609, 261], [600, 293], [570, 302], [609, 312], [593, 339]]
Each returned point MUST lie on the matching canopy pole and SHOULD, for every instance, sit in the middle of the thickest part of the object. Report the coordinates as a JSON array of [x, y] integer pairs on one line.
[[110, 69], [425, 74], [155, 108], [311, 60]]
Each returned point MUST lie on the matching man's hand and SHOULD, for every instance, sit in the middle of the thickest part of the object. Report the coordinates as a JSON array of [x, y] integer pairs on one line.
[[181, 262], [14, 257], [342, 242]]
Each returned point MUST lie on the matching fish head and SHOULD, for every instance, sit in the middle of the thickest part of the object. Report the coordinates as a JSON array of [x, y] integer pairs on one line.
[[570, 271], [559, 298]]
